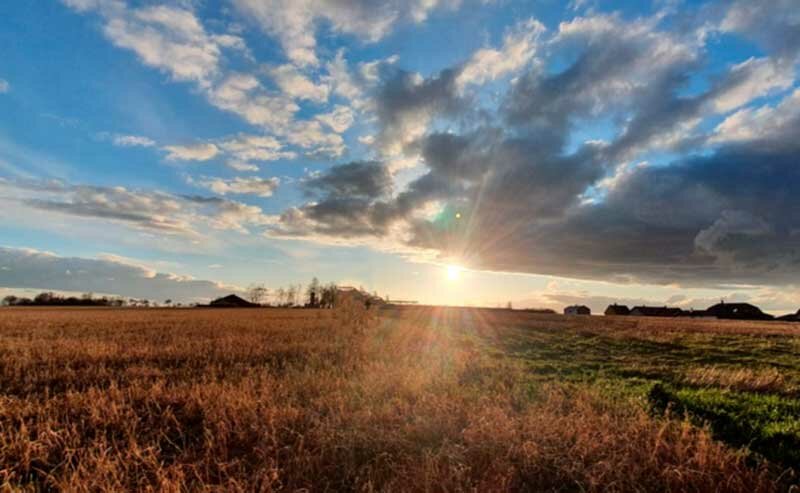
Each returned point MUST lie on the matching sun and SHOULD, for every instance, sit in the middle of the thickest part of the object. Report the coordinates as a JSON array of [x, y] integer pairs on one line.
[[453, 272]]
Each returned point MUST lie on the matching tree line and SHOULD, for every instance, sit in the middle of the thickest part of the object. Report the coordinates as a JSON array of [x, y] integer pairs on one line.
[[316, 295], [52, 299]]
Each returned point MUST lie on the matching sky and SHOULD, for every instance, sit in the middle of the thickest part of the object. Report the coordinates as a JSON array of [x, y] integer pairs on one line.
[[466, 152]]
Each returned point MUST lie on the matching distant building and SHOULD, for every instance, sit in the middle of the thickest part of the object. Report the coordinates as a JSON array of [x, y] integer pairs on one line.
[[738, 311], [347, 292], [792, 317], [577, 310], [231, 301], [655, 311], [617, 310], [696, 313]]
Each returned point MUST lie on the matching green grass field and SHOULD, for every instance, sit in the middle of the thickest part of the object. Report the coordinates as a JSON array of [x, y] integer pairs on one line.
[[740, 378]]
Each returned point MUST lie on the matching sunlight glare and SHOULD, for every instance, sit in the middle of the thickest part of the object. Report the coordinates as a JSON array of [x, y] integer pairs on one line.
[[453, 272]]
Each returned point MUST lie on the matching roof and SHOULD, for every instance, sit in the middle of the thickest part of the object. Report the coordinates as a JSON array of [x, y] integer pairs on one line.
[[616, 309], [577, 308], [231, 301], [737, 310], [656, 311]]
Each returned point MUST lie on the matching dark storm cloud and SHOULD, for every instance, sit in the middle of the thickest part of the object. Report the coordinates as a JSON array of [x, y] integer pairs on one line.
[[519, 196], [729, 217], [360, 179]]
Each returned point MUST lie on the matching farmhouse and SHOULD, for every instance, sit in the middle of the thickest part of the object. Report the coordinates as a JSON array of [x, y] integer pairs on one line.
[[231, 301], [577, 310], [655, 311], [737, 311], [617, 310]]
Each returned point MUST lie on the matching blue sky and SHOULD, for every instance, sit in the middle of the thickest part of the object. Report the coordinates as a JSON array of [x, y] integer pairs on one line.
[[594, 151]]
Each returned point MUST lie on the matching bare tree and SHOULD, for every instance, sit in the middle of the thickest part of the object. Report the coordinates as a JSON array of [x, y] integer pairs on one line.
[[281, 295], [257, 293], [313, 293], [293, 294]]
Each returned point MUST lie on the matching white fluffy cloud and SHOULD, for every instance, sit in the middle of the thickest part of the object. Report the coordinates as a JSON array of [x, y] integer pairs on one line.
[[297, 85], [262, 187], [195, 152], [763, 123], [338, 120], [293, 22], [751, 79], [4, 86], [519, 48]]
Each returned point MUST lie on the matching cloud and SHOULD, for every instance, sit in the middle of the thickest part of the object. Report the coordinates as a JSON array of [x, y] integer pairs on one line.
[[196, 152], [164, 213], [406, 103], [519, 48], [338, 120], [245, 148], [263, 187], [173, 40], [512, 191], [169, 38], [33, 269], [132, 141], [4, 86], [777, 125], [771, 23], [293, 22], [751, 79], [343, 205], [295, 84]]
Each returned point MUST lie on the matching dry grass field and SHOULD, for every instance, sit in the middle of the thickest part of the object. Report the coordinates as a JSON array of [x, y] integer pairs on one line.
[[418, 399]]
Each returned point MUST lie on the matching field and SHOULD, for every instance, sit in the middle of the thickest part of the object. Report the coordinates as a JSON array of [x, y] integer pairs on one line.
[[415, 399]]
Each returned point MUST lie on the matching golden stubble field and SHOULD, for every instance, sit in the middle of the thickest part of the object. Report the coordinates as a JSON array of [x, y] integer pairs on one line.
[[418, 399]]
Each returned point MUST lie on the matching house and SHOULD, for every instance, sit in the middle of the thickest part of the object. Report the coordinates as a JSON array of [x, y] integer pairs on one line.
[[655, 311], [231, 301], [696, 313], [617, 310], [737, 311], [577, 310], [792, 317]]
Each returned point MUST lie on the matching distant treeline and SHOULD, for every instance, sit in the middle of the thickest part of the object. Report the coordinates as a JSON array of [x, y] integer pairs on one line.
[[52, 299]]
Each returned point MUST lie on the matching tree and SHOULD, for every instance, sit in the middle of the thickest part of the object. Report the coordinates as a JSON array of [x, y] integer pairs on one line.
[[257, 293], [167, 302], [509, 306], [313, 293], [329, 296], [291, 295], [44, 298], [10, 300], [281, 296]]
